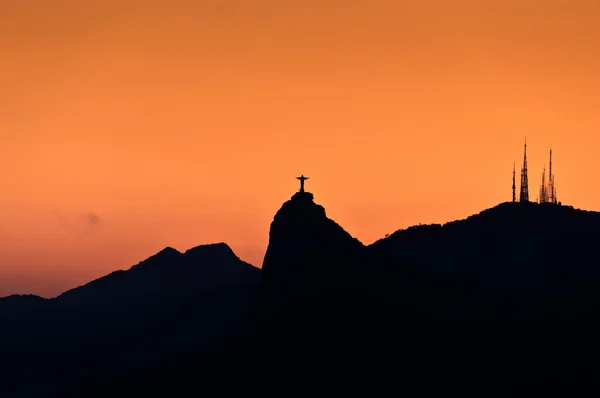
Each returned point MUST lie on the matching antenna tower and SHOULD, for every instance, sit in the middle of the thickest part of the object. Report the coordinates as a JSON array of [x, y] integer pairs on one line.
[[551, 181], [524, 194], [543, 190], [514, 187]]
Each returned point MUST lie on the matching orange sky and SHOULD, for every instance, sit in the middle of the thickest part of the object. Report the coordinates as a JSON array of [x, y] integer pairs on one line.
[[127, 126]]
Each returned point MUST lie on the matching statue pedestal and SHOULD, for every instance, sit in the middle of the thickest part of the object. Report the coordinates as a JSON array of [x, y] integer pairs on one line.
[[304, 196]]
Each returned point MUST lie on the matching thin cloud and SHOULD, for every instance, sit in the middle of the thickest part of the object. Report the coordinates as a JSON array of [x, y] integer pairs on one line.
[[76, 222], [92, 219]]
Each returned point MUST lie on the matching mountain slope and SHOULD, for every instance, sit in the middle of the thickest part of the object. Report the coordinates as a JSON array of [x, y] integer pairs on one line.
[[516, 260], [369, 327], [513, 261], [129, 319], [306, 247]]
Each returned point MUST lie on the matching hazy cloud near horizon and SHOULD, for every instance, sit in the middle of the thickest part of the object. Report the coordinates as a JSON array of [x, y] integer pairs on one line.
[[73, 221], [92, 218]]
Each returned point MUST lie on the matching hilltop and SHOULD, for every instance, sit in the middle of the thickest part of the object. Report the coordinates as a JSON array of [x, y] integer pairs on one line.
[[515, 260]]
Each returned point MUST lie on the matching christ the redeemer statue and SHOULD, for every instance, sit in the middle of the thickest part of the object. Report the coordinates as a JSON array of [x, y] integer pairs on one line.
[[302, 179]]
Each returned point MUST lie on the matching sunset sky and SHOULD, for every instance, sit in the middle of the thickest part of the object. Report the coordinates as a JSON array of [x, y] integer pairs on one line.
[[128, 126]]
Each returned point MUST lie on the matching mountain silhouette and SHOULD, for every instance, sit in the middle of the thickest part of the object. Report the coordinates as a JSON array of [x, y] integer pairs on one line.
[[350, 315], [310, 275], [516, 260], [105, 328], [308, 253]]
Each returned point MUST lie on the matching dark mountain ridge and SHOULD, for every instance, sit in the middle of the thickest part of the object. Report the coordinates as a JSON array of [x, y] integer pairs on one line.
[[179, 319], [516, 260], [108, 325]]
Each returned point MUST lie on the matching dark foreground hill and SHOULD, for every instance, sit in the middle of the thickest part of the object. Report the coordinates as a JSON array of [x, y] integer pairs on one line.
[[513, 261], [125, 320], [332, 315]]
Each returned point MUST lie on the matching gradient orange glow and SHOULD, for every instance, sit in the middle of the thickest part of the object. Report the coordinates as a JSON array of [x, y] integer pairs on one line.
[[185, 122]]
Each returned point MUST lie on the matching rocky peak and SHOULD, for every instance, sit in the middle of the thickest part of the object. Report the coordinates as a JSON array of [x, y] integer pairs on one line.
[[305, 245], [213, 251]]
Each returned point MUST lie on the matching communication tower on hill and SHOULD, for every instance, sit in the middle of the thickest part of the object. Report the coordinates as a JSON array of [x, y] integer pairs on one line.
[[514, 187], [524, 195], [548, 190]]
